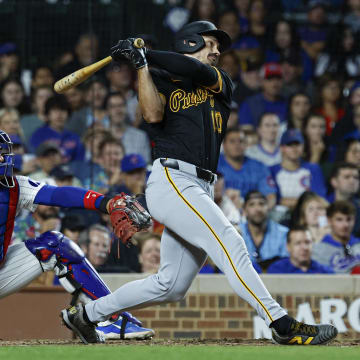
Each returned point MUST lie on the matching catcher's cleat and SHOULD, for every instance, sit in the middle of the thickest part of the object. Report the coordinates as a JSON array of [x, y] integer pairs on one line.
[[121, 329], [304, 334], [73, 318]]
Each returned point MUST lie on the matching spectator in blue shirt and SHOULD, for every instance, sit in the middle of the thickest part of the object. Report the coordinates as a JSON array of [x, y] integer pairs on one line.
[[339, 250], [133, 167], [264, 238], [294, 176], [242, 173], [299, 245], [268, 100], [314, 34], [355, 134], [57, 111], [267, 150]]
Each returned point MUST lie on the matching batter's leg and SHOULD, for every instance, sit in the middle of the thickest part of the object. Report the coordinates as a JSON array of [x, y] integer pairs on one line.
[[180, 262], [188, 210], [19, 269]]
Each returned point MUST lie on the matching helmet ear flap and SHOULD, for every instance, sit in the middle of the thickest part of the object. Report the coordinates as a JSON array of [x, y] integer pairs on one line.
[[189, 44]]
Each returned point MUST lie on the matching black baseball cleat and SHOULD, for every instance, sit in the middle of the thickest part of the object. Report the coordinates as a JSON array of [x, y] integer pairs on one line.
[[73, 318], [304, 334]]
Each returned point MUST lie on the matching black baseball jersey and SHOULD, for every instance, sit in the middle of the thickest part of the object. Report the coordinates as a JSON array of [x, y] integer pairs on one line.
[[195, 119]]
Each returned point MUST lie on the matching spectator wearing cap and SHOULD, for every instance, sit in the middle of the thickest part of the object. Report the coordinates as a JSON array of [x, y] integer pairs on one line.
[[31, 122], [294, 176], [62, 175], [135, 141], [339, 250], [57, 111], [133, 167], [314, 34], [242, 173], [269, 100], [48, 156], [264, 238], [72, 225], [299, 246], [267, 150]]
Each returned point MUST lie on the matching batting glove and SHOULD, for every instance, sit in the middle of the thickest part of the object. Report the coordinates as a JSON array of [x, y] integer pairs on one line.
[[126, 49]]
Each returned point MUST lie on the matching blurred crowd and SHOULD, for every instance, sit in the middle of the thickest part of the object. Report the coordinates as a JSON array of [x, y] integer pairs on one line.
[[288, 175]]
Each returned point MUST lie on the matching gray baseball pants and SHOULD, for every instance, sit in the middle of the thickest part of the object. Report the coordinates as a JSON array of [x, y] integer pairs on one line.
[[194, 228]]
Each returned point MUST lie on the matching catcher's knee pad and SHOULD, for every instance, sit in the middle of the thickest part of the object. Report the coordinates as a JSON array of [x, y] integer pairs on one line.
[[57, 252]]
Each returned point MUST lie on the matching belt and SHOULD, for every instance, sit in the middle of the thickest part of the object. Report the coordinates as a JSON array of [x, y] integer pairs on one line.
[[201, 173]]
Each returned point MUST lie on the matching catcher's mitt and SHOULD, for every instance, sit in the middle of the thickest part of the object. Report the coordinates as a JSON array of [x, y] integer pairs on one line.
[[127, 216]]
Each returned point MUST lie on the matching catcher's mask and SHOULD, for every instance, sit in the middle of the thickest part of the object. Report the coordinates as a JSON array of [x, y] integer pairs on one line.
[[191, 33], [7, 165]]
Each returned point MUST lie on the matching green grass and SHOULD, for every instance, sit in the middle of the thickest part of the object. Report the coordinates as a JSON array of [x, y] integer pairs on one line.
[[159, 352]]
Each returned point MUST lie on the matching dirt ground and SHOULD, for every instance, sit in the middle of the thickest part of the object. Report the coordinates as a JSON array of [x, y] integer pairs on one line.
[[223, 342]]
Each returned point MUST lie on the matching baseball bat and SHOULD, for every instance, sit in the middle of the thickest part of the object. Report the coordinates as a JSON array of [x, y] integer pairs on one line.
[[79, 76]]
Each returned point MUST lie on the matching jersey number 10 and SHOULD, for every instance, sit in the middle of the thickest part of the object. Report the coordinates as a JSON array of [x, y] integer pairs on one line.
[[216, 120]]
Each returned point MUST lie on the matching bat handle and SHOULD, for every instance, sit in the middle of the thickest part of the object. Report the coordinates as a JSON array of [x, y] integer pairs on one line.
[[139, 43]]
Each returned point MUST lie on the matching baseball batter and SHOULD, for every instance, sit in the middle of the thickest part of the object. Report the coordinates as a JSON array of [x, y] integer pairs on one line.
[[187, 102], [52, 251]]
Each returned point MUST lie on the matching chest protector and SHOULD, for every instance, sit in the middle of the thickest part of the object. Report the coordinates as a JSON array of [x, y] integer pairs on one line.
[[9, 198]]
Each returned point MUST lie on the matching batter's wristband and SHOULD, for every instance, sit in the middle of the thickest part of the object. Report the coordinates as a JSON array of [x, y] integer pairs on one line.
[[103, 204]]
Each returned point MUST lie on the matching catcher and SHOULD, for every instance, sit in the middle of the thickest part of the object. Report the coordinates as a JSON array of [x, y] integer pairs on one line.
[[52, 251]]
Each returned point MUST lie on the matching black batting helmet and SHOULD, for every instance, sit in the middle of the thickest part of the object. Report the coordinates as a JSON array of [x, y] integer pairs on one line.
[[192, 33]]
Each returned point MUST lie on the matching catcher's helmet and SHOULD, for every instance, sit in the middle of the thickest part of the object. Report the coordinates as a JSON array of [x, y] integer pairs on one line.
[[7, 165], [192, 33]]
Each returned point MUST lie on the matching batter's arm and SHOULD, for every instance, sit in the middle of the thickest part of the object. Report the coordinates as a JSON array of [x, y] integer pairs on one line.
[[185, 66], [151, 102]]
